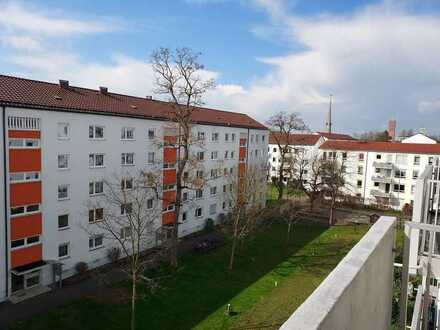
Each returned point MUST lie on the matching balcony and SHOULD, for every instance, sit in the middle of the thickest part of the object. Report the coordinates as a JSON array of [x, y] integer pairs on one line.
[[357, 293], [385, 165], [380, 193], [381, 178], [23, 123]]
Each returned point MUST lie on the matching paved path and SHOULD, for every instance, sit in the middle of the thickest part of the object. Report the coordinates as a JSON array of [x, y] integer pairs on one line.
[[11, 313]]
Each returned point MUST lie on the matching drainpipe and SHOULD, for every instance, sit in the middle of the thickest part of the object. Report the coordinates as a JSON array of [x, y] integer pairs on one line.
[[365, 177], [5, 200]]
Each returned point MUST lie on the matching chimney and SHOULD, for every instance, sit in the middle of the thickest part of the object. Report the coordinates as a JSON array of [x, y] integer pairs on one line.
[[149, 97], [392, 129], [64, 83], [103, 90]]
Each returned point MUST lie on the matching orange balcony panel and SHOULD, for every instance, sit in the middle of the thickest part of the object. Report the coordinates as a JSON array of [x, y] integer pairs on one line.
[[168, 218], [26, 255], [172, 139], [169, 176], [169, 197], [25, 226], [18, 134], [242, 142], [242, 152], [241, 168], [169, 155], [24, 160], [25, 193]]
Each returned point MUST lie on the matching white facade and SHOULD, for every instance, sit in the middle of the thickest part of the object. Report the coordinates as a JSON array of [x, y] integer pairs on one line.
[[419, 138], [3, 240], [78, 146]]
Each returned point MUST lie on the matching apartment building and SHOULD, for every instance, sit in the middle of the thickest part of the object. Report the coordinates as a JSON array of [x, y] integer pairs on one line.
[[58, 144], [306, 144], [382, 173]]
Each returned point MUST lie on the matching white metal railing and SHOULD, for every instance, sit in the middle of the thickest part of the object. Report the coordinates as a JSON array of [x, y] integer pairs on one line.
[[24, 123], [417, 314]]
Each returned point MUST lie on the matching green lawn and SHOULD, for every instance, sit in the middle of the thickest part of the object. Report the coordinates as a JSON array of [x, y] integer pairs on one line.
[[270, 280]]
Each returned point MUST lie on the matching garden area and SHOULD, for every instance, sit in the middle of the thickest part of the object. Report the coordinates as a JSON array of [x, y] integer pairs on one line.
[[270, 280]]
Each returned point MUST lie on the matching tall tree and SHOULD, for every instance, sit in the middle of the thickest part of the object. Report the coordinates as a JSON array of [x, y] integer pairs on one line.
[[126, 215], [333, 174], [179, 76], [282, 125]]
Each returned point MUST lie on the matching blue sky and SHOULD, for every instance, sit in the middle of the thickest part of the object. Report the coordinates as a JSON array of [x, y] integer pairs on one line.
[[381, 59]]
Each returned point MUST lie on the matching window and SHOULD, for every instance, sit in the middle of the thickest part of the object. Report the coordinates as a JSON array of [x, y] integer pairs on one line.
[[378, 156], [274, 150], [415, 174], [252, 138], [24, 143], [151, 133], [96, 160], [413, 188], [126, 208], [63, 250], [226, 154], [150, 203], [361, 156], [150, 158], [198, 212], [168, 187], [224, 205], [25, 241], [185, 196], [63, 161], [360, 170], [212, 209], [213, 173], [127, 133], [170, 207], [344, 156], [96, 242], [263, 138], [225, 171], [226, 137], [376, 184], [224, 188], [184, 216], [24, 176], [377, 170], [127, 158], [96, 187], [400, 174], [359, 183], [20, 210], [214, 154], [63, 191], [214, 137], [96, 132], [242, 142], [63, 221], [232, 154], [201, 136], [399, 188], [199, 193], [125, 232], [430, 160], [199, 174], [127, 183], [213, 190], [96, 215], [200, 155], [416, 160], [233, 137], [63, 131], [257, 138]]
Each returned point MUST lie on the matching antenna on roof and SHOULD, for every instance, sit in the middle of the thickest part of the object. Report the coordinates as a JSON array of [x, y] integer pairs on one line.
[[328, 123]]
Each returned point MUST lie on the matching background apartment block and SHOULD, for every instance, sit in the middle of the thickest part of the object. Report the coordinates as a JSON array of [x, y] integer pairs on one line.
[[58, 144]]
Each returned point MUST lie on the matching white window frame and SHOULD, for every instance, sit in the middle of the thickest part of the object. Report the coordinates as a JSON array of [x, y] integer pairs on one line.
[[94, 130], [25, 242], [125, 186], [22, 143], [67, 188], [58, 221], [151, 136], [125, 156], [94, 157], [150, 157], [68, 251], [92, 188], [94, 215], [213, 191], [63, 126], [196, 213], [25, 210], [18, 177], [125, 133], [93, 239]]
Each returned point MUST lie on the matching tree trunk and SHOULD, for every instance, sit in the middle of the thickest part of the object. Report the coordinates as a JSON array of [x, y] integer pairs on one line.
[[332, 206], [234, 243], [289, 228], [133, 302], [280, 187]]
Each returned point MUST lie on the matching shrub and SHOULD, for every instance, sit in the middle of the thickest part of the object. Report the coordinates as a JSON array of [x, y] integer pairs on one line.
[[81, 268], [113, 254], [209, 225]]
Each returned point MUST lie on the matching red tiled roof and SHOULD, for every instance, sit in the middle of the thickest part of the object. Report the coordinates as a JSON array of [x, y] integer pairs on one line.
[[335, 136], [396, 147], [294, 139], [37, 94]]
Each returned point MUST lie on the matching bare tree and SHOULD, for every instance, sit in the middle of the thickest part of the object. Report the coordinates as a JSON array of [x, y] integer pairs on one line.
[[126, 215], [333, 174], [242, 196], [309, 182], [290, 214], [179, 77], [282, 126]]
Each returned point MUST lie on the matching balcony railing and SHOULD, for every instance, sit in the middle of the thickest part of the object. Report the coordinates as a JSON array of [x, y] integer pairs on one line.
[[24, 123], [381, 179], [386, 165], [379, 193]]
